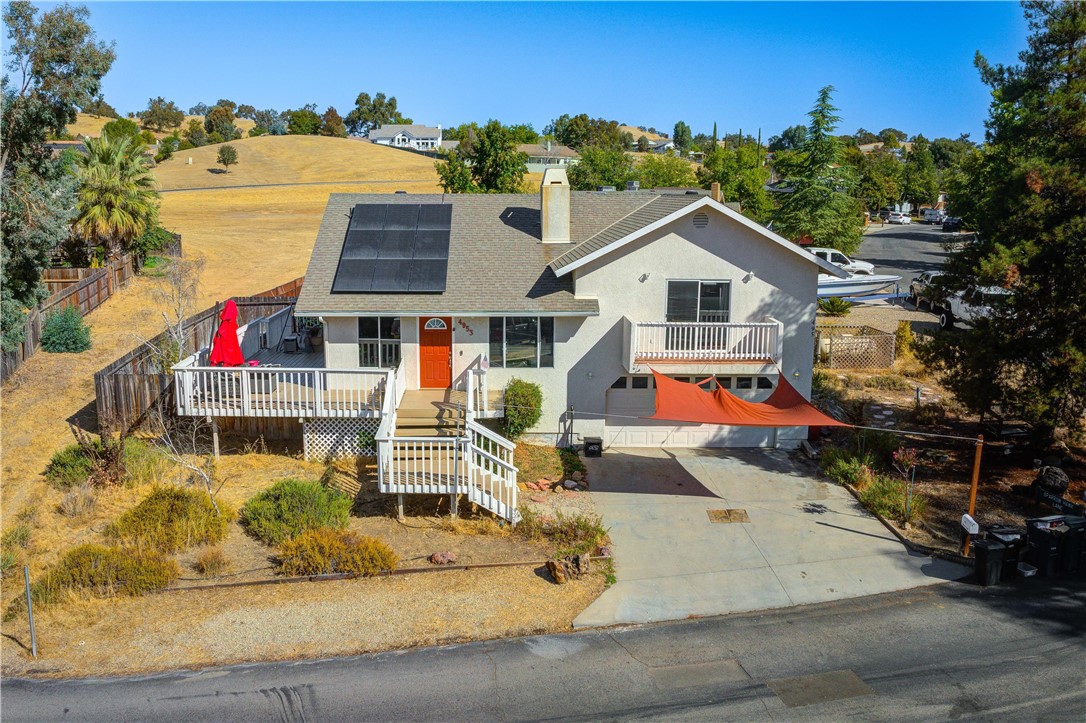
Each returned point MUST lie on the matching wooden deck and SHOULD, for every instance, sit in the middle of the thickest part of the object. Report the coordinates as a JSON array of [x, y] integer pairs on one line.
[[438, 400], [298, 360]]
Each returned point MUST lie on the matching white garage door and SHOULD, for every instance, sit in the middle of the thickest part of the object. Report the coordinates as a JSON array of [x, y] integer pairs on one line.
[[624, 429]]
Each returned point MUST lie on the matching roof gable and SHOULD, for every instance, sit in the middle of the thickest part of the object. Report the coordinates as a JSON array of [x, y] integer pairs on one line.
[[653, 216]]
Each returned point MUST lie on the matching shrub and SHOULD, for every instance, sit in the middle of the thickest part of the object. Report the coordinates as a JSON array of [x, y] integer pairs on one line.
[[9, 559], [78, 501], [930, 414], [147, 137], [18, 536], [71, 466], [325, 550], [904, 340], [886, 496], [570, 534], [212, 562], [878, 446], [523, 407], [65, 331], [891, 382], [105, 571], [171, 519], [845, 467], [292, 506], [834, 306], [68, 467], [186, 145]]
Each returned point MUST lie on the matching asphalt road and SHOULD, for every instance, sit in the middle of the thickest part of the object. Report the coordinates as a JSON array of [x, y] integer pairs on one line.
[[905, 250], [946, 652]]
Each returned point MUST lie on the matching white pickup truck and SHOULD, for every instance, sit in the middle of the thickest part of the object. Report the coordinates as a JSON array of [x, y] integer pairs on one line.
[[969, 305]]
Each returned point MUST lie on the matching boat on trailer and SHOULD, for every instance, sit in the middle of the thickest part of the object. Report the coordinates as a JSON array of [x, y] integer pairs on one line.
[[854, 284]]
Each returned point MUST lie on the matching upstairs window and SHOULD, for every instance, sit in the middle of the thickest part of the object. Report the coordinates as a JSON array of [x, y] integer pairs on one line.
[[698, 301]]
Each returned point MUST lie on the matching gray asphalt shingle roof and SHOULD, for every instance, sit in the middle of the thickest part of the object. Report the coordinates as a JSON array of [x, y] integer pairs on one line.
[[497, 263], [416, 130]]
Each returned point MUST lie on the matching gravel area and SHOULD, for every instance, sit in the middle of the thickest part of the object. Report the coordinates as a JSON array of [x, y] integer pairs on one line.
[[884, 316]]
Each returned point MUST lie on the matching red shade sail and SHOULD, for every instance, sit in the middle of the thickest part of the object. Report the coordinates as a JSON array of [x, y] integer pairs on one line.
[[684, 402], [225, 350]]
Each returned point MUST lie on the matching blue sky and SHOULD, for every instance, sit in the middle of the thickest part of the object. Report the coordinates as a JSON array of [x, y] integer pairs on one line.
[[743, 65]]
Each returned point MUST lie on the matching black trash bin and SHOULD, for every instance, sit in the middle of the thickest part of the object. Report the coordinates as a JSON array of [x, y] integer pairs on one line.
[[593, 447], [988, 561], [1043, 544], [1014, 539], [1073, 546]]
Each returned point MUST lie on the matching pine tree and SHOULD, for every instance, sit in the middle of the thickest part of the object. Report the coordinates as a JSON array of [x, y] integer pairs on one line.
[[820, 206], [1024, 192]]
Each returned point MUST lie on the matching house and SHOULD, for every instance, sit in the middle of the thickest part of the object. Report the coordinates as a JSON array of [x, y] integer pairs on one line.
[[867, 149], [664, 145], [542, 156], [438, 301], [418, 137]]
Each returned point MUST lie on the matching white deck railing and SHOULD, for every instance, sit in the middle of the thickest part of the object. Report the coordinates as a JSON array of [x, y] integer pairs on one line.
[[277, 392], [478, 464], [667, 341]]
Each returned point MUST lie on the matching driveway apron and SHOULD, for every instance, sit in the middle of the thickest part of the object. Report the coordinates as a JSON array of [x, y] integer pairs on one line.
[[806, 541]]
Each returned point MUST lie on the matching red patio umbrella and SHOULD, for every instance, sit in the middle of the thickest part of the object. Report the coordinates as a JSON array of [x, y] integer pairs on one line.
[[225, 351]]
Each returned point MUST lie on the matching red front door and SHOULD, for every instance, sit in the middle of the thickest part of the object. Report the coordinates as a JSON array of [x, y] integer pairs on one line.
[[435, 352]]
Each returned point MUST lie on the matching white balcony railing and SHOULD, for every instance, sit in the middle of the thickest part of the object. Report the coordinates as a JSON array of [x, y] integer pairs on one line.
[[278, 392], [702, 342]]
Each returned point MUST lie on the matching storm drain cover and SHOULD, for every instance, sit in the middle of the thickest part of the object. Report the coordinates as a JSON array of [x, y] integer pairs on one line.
[[821, 688], [725, 516]]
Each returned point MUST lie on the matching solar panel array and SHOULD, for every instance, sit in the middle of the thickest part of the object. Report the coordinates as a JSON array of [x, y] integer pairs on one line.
[[395, 247]]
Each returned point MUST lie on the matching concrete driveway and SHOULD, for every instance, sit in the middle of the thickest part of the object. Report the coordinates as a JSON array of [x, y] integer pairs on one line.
[[807, 540]]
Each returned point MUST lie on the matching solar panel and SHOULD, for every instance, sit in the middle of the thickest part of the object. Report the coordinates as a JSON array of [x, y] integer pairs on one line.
[[395, 248]]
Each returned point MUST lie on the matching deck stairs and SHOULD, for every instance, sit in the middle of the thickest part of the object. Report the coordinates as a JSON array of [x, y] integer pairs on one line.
[[432, 443]]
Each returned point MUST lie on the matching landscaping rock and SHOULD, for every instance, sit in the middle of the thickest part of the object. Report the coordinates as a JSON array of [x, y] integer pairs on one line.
[[1052, 479], [604, 551], [538, 498], [569, 484], [577, 476], [559, 570], [443, 558], [543, 484]]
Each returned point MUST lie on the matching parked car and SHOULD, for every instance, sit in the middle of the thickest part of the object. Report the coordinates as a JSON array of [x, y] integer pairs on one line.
[[835, 257], [898, 217], [934, 215], [925, 288], [952, 223], [969, 305]]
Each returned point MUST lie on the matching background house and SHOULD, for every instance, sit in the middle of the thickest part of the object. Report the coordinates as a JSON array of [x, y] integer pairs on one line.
[[548, 154], [418, 137]]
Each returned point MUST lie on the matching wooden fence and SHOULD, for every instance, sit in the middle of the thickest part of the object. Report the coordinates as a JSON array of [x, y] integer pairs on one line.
[[86, 294], [133, 385]]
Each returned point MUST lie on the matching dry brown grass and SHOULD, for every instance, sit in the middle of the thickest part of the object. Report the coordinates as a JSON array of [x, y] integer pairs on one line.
[[637, 133], [296, 159], [89, 125]]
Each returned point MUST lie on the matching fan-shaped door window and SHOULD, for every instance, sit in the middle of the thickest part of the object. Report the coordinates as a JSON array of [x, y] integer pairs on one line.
[[436, 324]]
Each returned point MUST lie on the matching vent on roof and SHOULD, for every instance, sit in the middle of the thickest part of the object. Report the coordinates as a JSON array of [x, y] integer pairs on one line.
[[701, 220]]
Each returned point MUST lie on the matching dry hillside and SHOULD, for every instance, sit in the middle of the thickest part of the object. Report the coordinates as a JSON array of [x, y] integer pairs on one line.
[[91, 126], [637, 133], [296, 159]]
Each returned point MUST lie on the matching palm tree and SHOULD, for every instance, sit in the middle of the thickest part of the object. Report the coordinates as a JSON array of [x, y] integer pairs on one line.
[[117, 201]]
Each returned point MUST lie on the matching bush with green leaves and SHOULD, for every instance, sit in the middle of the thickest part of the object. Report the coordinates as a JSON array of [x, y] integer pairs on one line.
[[523, 407], [292, 506], [834, 306], [65, 331], [325, 550], [103, 571], [70, 466], [171, 519]]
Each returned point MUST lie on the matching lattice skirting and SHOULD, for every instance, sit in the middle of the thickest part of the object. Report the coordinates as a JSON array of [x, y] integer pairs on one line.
[[326, 439]]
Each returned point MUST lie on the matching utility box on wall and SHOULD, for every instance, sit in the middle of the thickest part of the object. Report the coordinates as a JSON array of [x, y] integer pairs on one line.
[[593, 446]]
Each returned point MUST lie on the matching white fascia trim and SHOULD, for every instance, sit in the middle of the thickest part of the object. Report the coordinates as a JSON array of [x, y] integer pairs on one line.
[[520, 312], [826, 266]]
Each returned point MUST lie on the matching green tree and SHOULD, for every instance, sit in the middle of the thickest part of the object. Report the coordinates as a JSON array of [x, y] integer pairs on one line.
[[878, 178], [228, 156], [742, 177], [1024, 192], [665, 170], [601, 167], [195, 134], [332, 124], [681, 136], [199, 109], [919, 179], [246, 111], [304, 121], [820, 206], [643, 144], [117, 201], [229, 105], [55, 66], [892, 137], [454, 174], [220, 119], [161, 114], [790, 139], [580, 131], [121, 128], [523, 133], [99, 107], [947, 153], [370, 113]]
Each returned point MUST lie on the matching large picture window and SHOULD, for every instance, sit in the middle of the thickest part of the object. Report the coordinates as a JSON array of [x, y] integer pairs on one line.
[[521, 341], [378, 341], [699, 301]]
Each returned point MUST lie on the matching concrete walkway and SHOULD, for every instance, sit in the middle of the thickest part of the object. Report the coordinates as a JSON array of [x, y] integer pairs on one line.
[[807, 540]]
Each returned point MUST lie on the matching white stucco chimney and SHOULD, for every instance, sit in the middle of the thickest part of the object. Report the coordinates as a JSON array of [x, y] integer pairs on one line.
[[554, 200]]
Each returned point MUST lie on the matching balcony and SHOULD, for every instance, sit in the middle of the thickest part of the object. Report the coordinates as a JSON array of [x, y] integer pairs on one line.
[[697, 346]]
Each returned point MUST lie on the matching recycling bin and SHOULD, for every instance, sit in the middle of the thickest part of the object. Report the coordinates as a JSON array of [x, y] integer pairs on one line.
[[1043, 544], [1073, 546], [988, 561], [593, 447], [1014, 539]]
